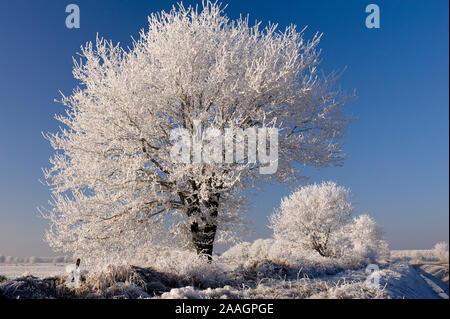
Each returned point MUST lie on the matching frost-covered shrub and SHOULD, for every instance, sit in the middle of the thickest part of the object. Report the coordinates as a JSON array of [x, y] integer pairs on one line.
[[312, 215], [171, 267], [360, 241], [127, 282], [166, 270], [268, 258], [413, 255], [246, 252], [318, 217], [441, 251], [30, 287], [191, 267], [125, 290]]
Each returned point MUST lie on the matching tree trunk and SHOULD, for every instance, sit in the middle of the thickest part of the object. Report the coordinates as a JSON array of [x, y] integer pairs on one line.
[[204, 224], [203, 238], [203, 235]]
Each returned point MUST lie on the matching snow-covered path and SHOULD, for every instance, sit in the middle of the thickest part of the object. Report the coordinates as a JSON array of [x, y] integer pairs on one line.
[[405, 281], [400, 280], [440, 288]]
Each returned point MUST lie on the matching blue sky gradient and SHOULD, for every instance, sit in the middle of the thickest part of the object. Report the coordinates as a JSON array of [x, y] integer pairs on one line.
[[397, 149]]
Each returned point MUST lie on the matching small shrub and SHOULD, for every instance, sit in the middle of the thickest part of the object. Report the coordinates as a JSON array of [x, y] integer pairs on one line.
[[441, 252]]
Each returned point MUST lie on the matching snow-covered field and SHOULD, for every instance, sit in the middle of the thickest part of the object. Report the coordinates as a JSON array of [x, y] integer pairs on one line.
[[401, 277], [40, 270], [397, 281]]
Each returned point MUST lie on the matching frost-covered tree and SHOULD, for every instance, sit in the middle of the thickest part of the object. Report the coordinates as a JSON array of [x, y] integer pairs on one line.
[[115, 186], [361, 239], [440, 250], [312, 215], [319, 217]]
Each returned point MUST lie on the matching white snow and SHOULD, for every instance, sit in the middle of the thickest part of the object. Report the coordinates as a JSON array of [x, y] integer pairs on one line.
[[257, 270], [40, 270], [398, 281], [435, 287], [34, 260]]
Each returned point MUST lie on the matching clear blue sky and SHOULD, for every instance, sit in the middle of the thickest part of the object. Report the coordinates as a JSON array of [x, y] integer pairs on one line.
[[398, 148]]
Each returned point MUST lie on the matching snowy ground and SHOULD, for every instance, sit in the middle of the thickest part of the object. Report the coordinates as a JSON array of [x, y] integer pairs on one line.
[[402, 280], [399, 279], [40, 270], [438, 270]]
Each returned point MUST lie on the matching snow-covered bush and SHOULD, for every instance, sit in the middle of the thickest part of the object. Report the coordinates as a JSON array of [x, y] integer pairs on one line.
[[260, 249], [266, 258], [245, 254], [441, 251], [30, 287], [360, 241], [312, 215], [318, 217], [414, 255], [190, 267], [185, 265]]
